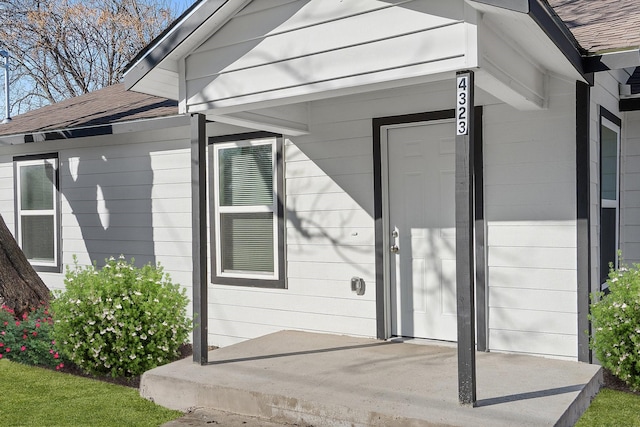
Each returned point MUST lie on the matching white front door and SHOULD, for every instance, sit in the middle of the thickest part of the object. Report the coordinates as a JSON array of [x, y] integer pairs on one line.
[[420, 193]]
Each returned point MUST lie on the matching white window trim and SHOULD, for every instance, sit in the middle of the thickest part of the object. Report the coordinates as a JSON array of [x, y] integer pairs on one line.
[[219, 210], [44, 212]]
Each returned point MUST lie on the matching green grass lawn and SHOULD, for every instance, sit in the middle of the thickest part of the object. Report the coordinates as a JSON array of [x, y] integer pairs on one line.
[[33, 396], [612, 408]]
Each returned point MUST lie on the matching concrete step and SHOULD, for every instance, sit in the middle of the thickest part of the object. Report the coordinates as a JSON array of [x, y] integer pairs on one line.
[[319, 379]]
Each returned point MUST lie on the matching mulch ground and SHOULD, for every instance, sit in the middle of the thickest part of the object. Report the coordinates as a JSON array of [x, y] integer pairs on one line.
[[614, 383], [186, 350]]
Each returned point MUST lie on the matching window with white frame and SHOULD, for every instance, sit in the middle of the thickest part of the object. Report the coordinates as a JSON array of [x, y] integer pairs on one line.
[[609, 192], [37, 227], [247, 212]]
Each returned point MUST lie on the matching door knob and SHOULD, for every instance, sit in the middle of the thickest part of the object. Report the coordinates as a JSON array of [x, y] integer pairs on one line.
[[394, 249]]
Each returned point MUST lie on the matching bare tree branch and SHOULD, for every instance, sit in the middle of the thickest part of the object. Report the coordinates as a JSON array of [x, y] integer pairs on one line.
[[64, 48]]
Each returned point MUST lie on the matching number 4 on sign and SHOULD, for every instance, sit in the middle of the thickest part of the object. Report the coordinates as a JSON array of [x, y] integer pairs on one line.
[[462, 105]]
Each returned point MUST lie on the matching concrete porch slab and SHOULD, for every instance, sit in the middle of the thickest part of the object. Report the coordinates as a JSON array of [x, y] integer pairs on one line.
[[337, 380]]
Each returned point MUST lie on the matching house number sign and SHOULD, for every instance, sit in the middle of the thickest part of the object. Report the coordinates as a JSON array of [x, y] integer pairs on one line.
[[462, 105]]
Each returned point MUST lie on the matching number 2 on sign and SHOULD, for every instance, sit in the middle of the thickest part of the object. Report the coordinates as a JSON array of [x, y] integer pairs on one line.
[[462, 101]]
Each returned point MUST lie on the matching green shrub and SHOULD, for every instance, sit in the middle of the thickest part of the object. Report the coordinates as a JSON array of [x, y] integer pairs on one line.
[[616, 325], [120, 320], [28, 339]]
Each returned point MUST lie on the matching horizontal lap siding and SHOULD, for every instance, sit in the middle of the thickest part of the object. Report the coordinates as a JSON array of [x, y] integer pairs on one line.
[[530, 208], [124, 194], [133, 200], [311, 45], [6, 192], [630, 191], [330, 227]]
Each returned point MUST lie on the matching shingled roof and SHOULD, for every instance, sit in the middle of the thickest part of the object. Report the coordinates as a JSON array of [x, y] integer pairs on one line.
[[598, 26], [109, 105], [601, 25]]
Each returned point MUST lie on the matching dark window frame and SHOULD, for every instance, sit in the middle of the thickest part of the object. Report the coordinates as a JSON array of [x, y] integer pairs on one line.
[[280, 282], [616, 121]]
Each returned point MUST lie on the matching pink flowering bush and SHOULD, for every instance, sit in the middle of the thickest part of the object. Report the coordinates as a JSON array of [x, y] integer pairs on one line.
[[616, 325], [120, 320], [28, 339]]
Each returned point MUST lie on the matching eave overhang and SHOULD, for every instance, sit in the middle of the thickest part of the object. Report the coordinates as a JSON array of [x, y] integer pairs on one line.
[[550, 23], [617, 60], [529, 29], [155, 69], [141, 125]]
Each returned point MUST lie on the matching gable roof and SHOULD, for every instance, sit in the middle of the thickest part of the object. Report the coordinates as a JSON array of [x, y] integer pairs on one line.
[[112, 104], [202, 19], [155, 68], [601, 26]]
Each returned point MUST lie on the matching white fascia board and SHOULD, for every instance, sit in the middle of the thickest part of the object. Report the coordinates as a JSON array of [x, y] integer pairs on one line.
[[140, 125], [521, 6], [263, 123], [193, 29], [325, 90]]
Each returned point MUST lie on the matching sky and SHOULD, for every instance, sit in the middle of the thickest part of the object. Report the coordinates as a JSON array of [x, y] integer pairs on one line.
[[180, 6]]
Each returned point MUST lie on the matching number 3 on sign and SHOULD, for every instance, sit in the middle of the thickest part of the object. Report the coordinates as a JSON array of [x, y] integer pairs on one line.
[[462, 105]]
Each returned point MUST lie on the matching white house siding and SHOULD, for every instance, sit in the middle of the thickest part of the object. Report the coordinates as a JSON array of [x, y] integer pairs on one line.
[[630, 186], [530, 209], [6, 192], [134, 201], [144, 203], [7, 210], [124, 194], [288, 48], [330, 227]]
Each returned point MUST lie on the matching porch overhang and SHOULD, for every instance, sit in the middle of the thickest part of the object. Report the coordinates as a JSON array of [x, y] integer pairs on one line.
[[512, 45]]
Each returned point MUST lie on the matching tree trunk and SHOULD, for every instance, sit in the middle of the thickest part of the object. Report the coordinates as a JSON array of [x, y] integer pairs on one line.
[[20, 286]]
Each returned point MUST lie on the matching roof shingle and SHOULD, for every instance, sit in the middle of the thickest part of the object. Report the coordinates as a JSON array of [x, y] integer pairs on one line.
[[601, 25], [109, 105], [598, 26]]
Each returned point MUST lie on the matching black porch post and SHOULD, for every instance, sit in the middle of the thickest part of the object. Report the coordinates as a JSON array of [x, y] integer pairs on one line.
[[464, 238], [583, 201], [199, 236]]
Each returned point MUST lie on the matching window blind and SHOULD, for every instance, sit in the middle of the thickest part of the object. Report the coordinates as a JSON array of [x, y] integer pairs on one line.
[[246, 176], [247, 239], [246, 215]]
